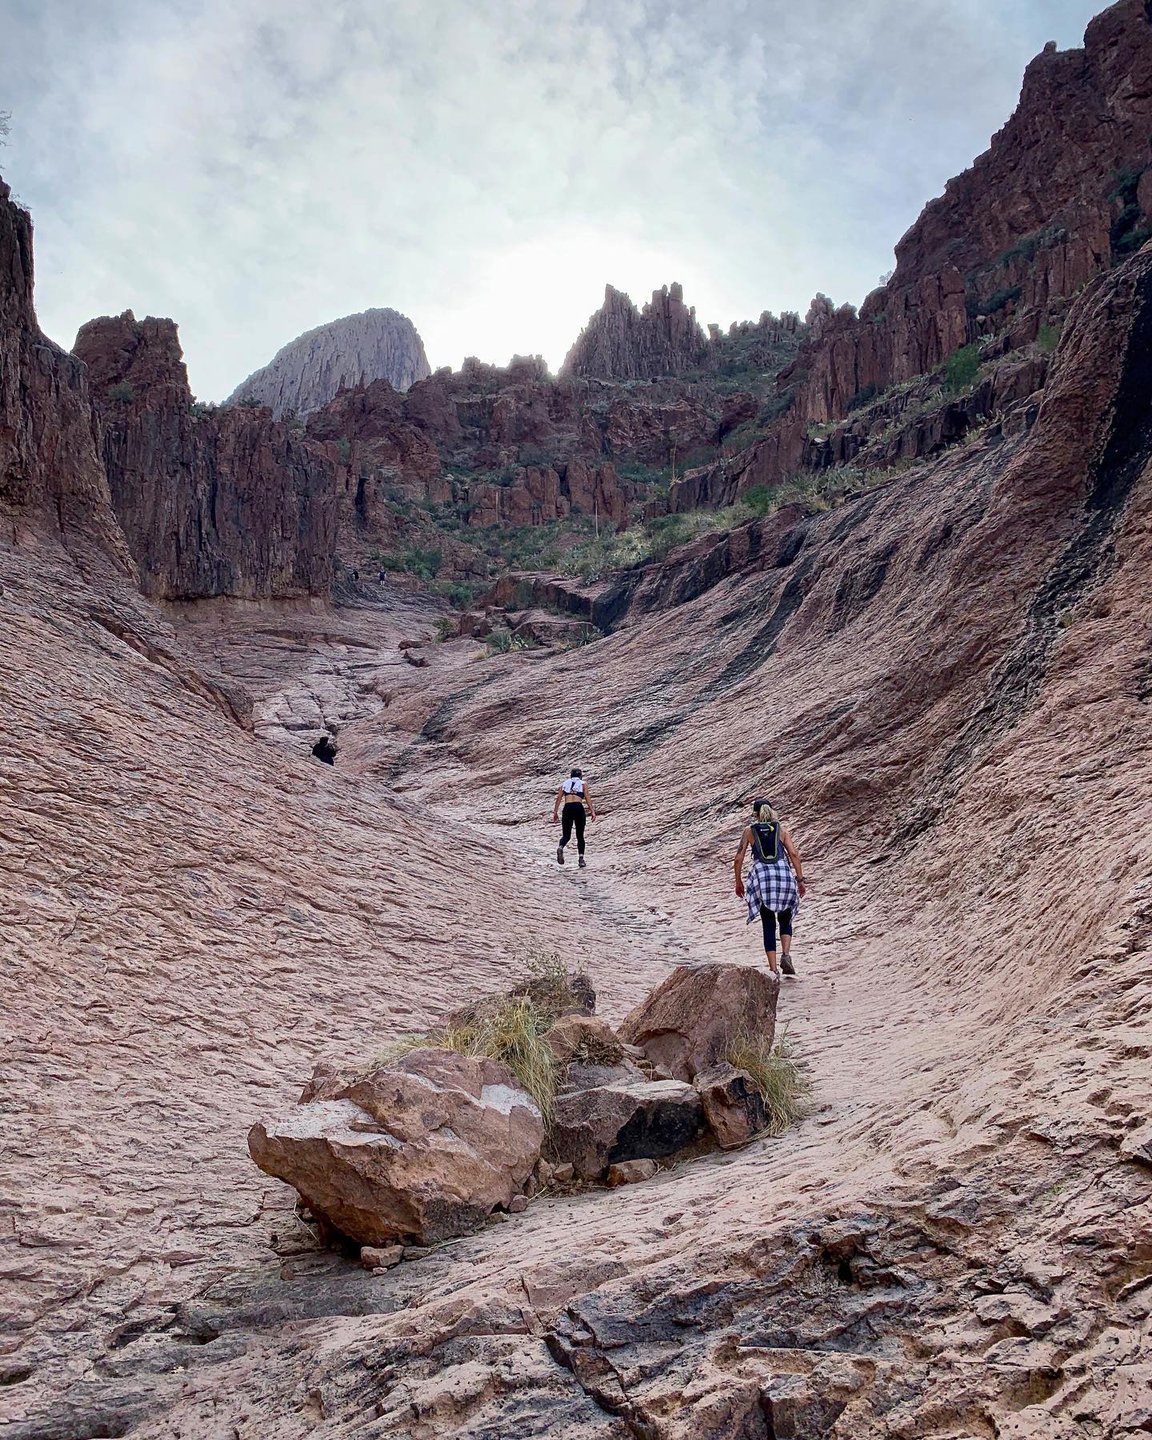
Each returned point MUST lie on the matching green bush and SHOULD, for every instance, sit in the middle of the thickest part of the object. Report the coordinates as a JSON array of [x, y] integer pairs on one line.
[[344, 449], [759, 500], [122, 393], [961, 369], [1048, 338], [413, 561]]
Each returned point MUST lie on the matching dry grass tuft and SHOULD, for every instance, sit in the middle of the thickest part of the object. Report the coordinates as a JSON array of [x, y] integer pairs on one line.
[[510, 1030], [776, 1072], [511, 1027]]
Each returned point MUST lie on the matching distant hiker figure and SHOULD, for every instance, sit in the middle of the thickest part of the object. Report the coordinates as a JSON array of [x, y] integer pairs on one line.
[[775, 882], [573, 795], [325, 749]]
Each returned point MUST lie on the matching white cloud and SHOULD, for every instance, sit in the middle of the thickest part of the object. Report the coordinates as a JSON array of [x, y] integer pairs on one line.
[[254, 168]]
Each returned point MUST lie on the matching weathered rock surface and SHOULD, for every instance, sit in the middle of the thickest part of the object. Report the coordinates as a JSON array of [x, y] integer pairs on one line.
[[212, 502], [420, 1150], [379, 344], [689, 1023], [602, 1126], [733, 1104]]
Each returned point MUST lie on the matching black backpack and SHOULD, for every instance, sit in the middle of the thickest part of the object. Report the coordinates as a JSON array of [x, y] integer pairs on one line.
[[766, 840]]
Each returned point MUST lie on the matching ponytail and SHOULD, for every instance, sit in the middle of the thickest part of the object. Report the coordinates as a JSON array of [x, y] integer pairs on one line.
[[765, 813]]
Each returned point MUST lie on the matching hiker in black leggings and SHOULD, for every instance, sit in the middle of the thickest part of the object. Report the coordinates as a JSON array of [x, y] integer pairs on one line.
[[573, 795]]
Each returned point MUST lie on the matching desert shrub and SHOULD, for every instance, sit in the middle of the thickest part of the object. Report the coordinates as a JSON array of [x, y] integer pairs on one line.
[[759, 500], [122, 393], [460, 593], [862, 397], [775, 407], [344, 449], [413, 561], [775, 1071], [503, 642], [1127, 234], [445, 628], [1048, 338], [200, 408], [961, 369], [250, 402], [510, 1030]]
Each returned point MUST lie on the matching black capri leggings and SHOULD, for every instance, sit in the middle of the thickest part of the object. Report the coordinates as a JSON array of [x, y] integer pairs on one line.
[[768, 920], [569, 816]]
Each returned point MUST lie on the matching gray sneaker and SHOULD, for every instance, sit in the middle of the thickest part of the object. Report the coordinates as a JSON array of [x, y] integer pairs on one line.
[[786, 965], [560, 855], [582, 865]]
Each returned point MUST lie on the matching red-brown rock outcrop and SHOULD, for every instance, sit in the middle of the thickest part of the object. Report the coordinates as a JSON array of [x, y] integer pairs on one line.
[[309, 371], [51, 474], [213, 502], [692, 1020], [623, 343]]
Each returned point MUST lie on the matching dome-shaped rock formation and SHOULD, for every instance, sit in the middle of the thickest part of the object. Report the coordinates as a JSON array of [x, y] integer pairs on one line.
[[309, 371]]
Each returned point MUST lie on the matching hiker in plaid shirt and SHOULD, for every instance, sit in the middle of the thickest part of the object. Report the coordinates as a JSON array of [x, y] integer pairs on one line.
[[775, 882]]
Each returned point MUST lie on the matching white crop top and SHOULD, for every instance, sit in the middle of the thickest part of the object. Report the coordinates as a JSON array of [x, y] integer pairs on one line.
[[573, 786]]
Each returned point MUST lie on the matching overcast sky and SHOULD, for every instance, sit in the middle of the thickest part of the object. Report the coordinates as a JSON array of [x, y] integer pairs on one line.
[[256, 167]]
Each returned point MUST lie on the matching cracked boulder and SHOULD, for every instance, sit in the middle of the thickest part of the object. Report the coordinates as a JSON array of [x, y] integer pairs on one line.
[[419, 1150], [690, 1022], [609, 1124]]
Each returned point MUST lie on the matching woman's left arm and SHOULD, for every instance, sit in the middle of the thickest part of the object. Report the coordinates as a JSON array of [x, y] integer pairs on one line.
[[793, 859]]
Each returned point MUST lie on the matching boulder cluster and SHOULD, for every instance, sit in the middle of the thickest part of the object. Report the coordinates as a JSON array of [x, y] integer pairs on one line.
[[426, 1145]]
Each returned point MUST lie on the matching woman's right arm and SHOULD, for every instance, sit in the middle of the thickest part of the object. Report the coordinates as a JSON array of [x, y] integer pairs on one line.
[[556, 807]]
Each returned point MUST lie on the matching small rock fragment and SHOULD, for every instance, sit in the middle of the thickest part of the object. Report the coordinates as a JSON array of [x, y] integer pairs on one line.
[[381, 1257], [562, 1174], [518, 1204], [628, 1172]]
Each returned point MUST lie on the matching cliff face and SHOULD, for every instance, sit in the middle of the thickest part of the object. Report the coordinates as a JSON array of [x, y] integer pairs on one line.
[[51, 476], [623, 343], [212, 502], [377, 344], [1063, 192]]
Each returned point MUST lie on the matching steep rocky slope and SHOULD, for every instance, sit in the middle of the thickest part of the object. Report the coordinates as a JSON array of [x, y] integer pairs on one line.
[[309, 371]]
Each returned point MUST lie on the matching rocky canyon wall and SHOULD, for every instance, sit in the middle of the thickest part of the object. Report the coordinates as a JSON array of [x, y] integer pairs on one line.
[[51, 477], [213, 502]]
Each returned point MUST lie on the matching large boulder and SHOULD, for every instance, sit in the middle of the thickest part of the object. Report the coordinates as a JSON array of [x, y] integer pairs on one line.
[[419, 1150], [734, 1104], [690, 1022], [595, 1128]]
